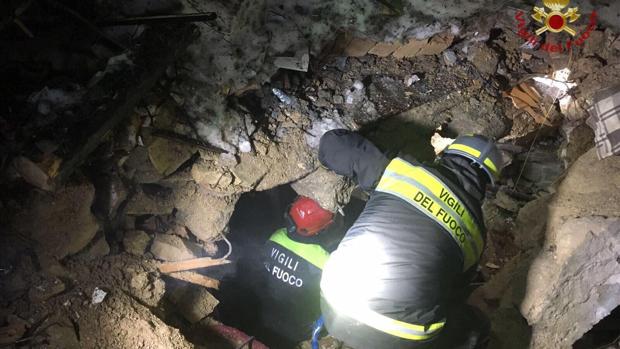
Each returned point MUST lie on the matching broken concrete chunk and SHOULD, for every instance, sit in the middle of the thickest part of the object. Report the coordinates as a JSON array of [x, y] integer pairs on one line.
[[155, 202], [140, 168], [136, 241], [60, 222], [193, 302], [206, 173], [172, 248], [204, 214], [45, 289], [98, 249], [147, 288], [327, 188], [168, 155], [505, 201], [574, 282], [32, 173], [62, 335]]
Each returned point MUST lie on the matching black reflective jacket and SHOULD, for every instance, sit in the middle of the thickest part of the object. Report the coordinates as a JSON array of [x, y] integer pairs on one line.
[[420, 263]]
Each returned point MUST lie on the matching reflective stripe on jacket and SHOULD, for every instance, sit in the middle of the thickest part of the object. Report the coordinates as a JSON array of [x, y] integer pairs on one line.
[[314, 254], [431, 196]]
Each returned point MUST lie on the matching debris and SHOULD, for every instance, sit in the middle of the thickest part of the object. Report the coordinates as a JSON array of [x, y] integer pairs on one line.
[[355, 94], [167, 155], [319, 128], [570, 255], [172, 248], [45, 289], [14, 330], [128, 95], [526, 98], [69, 224], [359, 47], [98, 249], [449, 57], [32, 173], [605, 121], [299, 63], [440, 143], [197, 263], [283, 97], [412, 80], [62, 335], [194, 303], [136, 241], [55, 99], [492, 265], [505, 201], [98, 295], [328, 189], [196, 279], [186, 17]]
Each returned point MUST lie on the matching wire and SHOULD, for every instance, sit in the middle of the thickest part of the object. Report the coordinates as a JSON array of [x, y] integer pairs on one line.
[[529, 152], [230, 249]]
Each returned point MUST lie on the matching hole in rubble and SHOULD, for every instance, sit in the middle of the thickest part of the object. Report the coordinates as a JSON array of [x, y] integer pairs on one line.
[[604, 334], [258, 215]]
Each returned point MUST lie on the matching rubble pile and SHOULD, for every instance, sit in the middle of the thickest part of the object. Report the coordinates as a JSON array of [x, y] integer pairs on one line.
[[124, 154]]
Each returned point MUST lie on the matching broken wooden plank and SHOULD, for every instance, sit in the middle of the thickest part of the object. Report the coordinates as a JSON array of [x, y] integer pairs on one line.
[[171, 267], [158, 52], [196, 279]]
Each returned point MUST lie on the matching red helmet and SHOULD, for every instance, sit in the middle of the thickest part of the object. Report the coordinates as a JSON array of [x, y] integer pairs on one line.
[[309, 217]]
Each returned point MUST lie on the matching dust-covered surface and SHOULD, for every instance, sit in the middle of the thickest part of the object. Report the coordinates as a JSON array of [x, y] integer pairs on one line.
[[223, 121]]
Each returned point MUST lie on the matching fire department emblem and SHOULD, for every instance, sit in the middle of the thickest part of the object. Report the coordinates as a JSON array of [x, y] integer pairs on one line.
[[556, 21]]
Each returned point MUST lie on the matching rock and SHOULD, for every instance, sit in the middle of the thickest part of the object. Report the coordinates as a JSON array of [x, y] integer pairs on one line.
[[193, 302], [505, 201], [62, 335], [531, 222], [206, 173], [449, 57], [111, 193], [327, 188], [484, 58], [136, 241], [45, 288], [172, 248], [138, 167], [574, 282], [98, 249], [60, 222], [579, 140], [206, 215], [151, 200], [168, 155], [32, 173], [542, 168], [148, 288]]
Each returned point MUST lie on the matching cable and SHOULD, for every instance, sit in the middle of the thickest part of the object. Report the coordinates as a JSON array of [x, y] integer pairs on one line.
[[229, 246]]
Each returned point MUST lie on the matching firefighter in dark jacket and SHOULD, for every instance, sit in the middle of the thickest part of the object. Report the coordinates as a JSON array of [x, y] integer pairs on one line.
[[294, 259], [399, 278]]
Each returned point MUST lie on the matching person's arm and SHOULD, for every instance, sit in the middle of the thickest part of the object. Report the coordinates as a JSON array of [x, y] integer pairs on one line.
[[351, 155]]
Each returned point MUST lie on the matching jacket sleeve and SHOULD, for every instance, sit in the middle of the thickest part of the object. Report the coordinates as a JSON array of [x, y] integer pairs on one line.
[[351, 155]]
